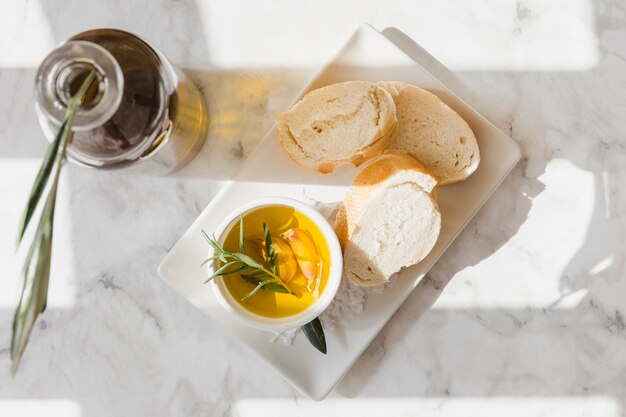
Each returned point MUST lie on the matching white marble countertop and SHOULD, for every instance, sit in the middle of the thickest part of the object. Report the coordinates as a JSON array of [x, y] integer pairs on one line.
[[524, 314]]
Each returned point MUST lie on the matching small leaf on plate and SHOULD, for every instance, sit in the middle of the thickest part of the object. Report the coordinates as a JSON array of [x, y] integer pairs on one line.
[[314, 333]]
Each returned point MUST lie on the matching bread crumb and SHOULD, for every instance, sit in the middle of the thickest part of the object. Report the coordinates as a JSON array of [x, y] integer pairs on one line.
[[349, 301]]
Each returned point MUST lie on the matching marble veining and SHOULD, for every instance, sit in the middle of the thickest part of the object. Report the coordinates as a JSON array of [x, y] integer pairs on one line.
[[523, 315]]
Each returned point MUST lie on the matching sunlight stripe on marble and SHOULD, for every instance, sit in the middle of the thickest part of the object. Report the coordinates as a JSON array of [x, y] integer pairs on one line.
[[529, 35], [534, 272], [48, 408], [597, 406], [602, 265]]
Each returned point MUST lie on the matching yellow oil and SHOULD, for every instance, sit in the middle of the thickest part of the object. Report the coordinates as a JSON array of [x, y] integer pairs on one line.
[[267, 303]]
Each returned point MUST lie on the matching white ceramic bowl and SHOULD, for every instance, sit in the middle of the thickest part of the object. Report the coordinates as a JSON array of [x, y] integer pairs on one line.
[[318, 306]]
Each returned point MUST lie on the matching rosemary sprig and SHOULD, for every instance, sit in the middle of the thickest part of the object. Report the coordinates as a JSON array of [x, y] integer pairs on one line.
[[35, 274], [269, 249], [236, 262]]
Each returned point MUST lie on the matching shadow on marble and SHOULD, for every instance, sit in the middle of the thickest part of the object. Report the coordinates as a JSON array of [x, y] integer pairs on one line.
[[537, 344], [242, 106], [507, 208]]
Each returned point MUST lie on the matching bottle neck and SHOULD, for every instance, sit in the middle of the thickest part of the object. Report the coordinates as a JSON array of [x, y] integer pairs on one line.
[[61, 74]]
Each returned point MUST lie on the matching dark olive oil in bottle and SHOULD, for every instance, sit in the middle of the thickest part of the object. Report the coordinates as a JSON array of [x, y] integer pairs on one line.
[[143, 114]]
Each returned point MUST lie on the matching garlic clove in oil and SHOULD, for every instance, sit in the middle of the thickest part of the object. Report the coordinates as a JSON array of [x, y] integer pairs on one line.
[[305, 251]]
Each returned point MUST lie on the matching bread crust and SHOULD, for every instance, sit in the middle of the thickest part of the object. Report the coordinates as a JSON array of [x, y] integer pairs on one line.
[[367, 182], [396, 88]]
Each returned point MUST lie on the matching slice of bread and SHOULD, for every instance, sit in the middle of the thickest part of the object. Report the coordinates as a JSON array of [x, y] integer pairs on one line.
[[388, 220], [433, 133], [348, 122]]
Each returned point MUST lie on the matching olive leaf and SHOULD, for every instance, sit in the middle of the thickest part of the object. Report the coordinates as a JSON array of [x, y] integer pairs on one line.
[[49, 160], [35, 274], [314, 333]]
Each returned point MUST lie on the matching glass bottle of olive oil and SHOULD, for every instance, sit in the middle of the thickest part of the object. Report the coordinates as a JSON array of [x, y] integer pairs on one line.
[[143, 114]]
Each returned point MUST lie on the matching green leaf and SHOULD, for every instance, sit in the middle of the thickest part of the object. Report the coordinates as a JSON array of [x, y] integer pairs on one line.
[[315, 334], [254, 275], [268, 240], [206, 236], [221, 269], [261, 277], [236, 270], [255, 278], [257, 288], [247, 260], [269, 248], [240, 269], [35, 274], [213, 243], [49, 159], [35, 278], [241, 233], [276, 288], [206, 261]]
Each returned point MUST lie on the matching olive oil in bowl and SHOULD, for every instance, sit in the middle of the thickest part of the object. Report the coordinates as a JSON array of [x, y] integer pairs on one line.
[[279, 219], [291, 269]]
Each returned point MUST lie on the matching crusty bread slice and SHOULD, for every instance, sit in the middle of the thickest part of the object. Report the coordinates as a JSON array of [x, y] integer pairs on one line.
[[348, 122], [433, 133], [388, 220]]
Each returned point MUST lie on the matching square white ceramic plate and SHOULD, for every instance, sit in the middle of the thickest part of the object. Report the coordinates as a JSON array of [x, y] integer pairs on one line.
[[370, 56]]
